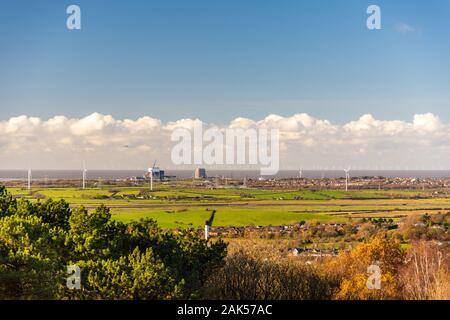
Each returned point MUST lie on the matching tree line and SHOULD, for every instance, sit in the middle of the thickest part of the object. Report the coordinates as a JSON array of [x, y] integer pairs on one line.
[[137, 260]]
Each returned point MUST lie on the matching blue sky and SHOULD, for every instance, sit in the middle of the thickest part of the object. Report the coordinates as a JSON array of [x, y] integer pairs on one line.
[[220, 59]]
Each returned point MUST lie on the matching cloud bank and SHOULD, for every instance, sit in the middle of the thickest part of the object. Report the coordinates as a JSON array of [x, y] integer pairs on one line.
[[305, 141]]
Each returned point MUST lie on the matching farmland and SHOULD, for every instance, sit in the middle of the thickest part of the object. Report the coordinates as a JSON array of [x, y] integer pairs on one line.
[[278, 232], [174, 206]]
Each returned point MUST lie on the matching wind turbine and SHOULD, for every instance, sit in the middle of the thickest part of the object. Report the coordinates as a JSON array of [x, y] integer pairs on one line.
[[151, 176], [208, 224], [84, 174], [347, 177], [30, 176]]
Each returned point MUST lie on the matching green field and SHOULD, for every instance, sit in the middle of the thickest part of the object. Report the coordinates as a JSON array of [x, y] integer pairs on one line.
[[185, 207], [228, 216]]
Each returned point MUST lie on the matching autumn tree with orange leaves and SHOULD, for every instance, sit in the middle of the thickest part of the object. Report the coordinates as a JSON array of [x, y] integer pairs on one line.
[[351, 270]]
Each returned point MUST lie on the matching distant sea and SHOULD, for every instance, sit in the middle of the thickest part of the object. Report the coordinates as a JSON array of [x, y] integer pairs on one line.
[[8, 175]]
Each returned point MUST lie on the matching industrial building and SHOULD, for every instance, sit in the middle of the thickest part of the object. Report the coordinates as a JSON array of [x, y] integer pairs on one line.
[[200, 173], [156, 173]]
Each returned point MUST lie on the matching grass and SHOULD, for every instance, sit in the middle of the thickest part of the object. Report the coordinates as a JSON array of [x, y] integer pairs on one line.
[[229, 216], [185, 206]]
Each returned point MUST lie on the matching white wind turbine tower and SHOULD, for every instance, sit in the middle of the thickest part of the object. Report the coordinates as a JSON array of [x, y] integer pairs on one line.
[[152, 170], [347, 177], [84, 174], [151, 181], [30, 176]]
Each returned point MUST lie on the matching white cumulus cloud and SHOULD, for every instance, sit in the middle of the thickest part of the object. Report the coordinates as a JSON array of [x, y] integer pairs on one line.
[[109, 143]]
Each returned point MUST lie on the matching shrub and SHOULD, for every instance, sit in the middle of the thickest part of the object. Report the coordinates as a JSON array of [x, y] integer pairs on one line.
[[426, 275], [249, 278], [351, 270]]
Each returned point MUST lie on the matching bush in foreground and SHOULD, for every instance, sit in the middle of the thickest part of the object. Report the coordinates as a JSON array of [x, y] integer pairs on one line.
[[38, 241]]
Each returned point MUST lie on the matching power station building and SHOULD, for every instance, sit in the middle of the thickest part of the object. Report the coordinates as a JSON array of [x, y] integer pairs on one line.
[[156, 173], [200, 173]]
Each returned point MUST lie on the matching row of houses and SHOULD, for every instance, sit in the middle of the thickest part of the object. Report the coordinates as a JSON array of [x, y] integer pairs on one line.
[[267, 230], [314, 252], [354, 183]]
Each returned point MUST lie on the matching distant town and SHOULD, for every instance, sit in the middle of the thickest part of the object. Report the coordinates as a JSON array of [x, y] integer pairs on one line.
[[202, 179]]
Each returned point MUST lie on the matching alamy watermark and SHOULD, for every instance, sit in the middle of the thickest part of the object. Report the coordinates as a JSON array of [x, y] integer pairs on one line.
[[374, 279], [73, 21], [230, 146], [374, 20], [74, 278]]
